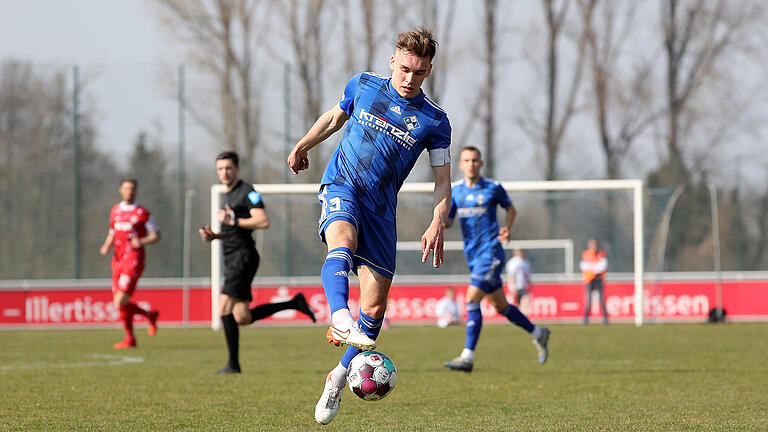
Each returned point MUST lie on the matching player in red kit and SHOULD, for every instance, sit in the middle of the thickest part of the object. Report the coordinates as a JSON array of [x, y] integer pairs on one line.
[[130, 228]]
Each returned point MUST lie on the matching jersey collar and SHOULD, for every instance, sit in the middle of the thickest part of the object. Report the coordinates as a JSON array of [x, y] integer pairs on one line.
[[480, 181], [124, 206], [237, 184]]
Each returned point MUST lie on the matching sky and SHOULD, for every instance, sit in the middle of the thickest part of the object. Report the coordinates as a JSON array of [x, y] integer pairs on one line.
[[127, 63], [80, 31], [121, 53]]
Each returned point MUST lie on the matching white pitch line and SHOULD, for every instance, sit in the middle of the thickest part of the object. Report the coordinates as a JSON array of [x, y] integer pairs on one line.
[[105, 360]]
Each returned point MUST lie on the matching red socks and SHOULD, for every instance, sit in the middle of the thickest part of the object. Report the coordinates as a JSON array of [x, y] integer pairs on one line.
[[126, 316], [127, 312]]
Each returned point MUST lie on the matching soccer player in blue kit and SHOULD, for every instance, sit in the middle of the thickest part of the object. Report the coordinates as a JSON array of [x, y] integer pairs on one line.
[[474, 200], [391, 122]]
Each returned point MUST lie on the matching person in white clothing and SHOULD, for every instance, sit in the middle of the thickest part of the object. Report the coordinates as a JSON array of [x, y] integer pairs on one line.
[[447, 310], [518, 271]]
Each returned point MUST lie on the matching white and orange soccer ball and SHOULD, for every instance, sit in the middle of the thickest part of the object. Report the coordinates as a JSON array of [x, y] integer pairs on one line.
[[371, 375]]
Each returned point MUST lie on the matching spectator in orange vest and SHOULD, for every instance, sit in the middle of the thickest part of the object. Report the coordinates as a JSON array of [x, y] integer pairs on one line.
[[593, 265]]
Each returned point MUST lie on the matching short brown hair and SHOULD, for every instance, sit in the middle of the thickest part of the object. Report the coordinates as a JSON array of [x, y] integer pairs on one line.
[[129, 180], [229, 155], [472, 148], [418, 42]]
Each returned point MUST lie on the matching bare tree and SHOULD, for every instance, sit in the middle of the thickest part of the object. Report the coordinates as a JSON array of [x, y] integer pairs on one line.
[[698, 36], [369, 33], [224, 39], [622, 108], [305, 23], [37, 175], [556, 123], [367, 42], [439, 15], [561, 87], [489, 120]]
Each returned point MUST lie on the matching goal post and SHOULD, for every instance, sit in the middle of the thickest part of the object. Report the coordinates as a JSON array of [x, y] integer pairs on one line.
[[634, 186]]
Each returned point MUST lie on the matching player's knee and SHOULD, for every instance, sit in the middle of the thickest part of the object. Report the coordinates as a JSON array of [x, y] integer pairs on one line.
[[375, 311], [243, 319], [498, 304], [340, 233], [499, 307], [120, 299]]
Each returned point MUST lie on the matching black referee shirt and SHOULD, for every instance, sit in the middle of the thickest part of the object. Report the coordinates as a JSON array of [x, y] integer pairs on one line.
[[242, 198]]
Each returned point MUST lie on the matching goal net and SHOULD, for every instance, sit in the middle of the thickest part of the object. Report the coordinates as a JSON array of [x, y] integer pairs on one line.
[[554, 221]]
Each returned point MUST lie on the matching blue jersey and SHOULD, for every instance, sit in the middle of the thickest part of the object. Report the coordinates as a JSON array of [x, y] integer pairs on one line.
[[476, 208], [384, 136]]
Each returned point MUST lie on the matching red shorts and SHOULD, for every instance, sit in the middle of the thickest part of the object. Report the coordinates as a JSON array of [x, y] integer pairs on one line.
[[124, 278]]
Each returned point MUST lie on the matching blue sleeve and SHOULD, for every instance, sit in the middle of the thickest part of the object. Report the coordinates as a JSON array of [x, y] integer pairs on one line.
[[253, 200], [502, 197], [441, 136], [347, 102]]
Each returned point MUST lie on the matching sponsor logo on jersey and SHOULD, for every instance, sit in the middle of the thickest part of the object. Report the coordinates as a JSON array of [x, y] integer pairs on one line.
[[254, 197], [123, 226], [472, 211], [411, 122], [396, 109], [382, 125]]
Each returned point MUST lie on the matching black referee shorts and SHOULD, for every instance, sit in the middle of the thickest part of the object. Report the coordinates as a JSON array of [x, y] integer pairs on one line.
[[239, 269]]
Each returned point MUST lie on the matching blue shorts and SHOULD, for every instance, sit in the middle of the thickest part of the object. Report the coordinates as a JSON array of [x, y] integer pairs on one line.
[[376, 236], [485, 271]]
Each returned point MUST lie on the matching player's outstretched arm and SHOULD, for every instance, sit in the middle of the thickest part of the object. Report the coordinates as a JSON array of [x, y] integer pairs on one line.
[[325, 126], [432, 240], [207, 234]]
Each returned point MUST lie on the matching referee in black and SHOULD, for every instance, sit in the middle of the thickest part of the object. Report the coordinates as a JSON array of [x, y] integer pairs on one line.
[[243, 212]]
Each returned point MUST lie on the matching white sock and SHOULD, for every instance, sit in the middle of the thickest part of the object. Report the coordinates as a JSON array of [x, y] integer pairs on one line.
[[342, 318], [339, 375], [536, 333], [468, 354]]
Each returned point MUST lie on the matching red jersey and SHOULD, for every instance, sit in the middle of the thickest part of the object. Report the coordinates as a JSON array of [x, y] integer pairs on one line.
[[125, 222]]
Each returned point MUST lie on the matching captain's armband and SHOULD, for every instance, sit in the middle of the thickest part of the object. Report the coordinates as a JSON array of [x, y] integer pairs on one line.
[[439, 157]]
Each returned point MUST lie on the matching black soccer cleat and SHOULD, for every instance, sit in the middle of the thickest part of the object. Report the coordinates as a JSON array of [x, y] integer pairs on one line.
[[459, 364], [303, 307], [227, 370]]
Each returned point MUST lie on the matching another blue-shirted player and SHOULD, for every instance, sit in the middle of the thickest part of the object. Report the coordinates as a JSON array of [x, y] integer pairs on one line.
[[474, 200], [391, 122]]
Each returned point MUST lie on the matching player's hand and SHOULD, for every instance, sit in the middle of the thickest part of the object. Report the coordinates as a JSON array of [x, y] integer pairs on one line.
[[227, 216], [206, 233], [298, 160], [432, 241], [104, 249], [503, 234], [136, 242]]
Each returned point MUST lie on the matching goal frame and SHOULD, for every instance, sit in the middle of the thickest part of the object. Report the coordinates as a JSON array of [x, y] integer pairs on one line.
[[634, 185]]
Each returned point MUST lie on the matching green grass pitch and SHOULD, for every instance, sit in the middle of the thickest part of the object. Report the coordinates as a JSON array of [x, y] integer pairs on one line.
[[599, 378]]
